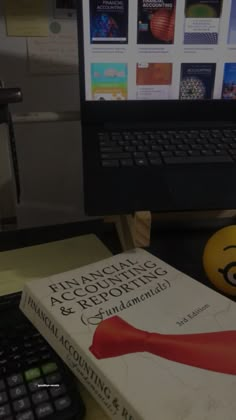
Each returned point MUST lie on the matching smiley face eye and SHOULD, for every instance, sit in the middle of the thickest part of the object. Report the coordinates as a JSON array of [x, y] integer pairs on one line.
[[231, 278], [229, 273]]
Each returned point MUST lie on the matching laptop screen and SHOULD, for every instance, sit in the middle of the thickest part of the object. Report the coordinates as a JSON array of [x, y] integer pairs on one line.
[[138, 50]]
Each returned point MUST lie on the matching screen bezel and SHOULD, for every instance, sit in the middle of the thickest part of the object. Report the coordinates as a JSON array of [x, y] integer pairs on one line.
[[94, 112]]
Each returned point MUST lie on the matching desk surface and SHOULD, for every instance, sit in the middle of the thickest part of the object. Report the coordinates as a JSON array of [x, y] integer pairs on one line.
[[182, 248]]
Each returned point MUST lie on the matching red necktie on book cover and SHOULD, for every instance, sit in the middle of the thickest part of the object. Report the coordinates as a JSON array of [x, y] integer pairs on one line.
[[215, 351]]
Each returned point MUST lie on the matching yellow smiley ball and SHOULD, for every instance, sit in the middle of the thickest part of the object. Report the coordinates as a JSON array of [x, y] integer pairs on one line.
[[219, 260]]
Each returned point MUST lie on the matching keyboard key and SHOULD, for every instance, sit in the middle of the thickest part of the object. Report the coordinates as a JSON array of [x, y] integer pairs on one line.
[[129, 137], [5, 411], [48, 355], [110, 164], [54, 378], [28, 345], [34, 385], [157, 148], [141, 162], [186, 147], [29, 353], [197, 159], [169, 147], [44, 410], [130, 149], [58, 391], [180, 153], [32, 374], [126, 162], [166, 154], [3, 370], [21, 404], [62, 403], [15, 349], [123, 143], [2, 384], [116, 137], [111, 149], [31, 361], [143, 149], [40, 397], [139, 155], [155, 161], [194, 152], [49, 368], [3, 397], [14, 380], [207, 152], [111, 156], [142, 137], [18, 391], [103, 136], [27, 415]]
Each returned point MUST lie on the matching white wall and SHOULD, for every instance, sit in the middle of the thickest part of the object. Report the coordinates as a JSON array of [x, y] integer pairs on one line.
[[49, 153]]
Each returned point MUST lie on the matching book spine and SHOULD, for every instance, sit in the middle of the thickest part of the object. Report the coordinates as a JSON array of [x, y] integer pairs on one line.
[[75, 358]]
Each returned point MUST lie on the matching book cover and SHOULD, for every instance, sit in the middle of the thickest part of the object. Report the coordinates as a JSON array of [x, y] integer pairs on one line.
[[109, 21], [153, 80], [197, 80], [229, 81], [156, 21], [145, 339], [232, 24], [202, 20], [109, 81]]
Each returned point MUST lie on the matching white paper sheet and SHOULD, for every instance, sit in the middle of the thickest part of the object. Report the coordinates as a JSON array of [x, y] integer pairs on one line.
[[56, 54]]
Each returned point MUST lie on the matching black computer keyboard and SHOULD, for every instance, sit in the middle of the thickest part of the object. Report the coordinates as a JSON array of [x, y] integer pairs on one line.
[[166, 147], [34, 383]]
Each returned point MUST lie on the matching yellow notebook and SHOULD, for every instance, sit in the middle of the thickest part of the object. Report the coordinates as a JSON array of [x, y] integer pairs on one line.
[[21, 265]]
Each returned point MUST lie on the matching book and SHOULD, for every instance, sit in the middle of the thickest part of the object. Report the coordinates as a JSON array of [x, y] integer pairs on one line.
[[202, 19], [156, 21], [197, 80], [109, 81], [229, 81], [153, 80], [108, 21], [232, 24], [145, 339]]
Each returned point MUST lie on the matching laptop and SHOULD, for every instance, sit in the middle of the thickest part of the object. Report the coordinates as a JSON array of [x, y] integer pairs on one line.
[[157, 91]]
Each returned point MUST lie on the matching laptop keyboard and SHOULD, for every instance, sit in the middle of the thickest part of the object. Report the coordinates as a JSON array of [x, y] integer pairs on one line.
[[166, 147]]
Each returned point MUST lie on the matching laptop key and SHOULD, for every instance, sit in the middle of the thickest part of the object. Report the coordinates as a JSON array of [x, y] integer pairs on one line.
[[207, 152], [130, 148], [126, 162], [139, 155], [194, 152], [197, 159], [5, 411], [141, 162], [110, 156], [110, 163], [153, 155], [111, 149], [166, 154], [157, 148], [143, 149], [180, 153], [155, 161]]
